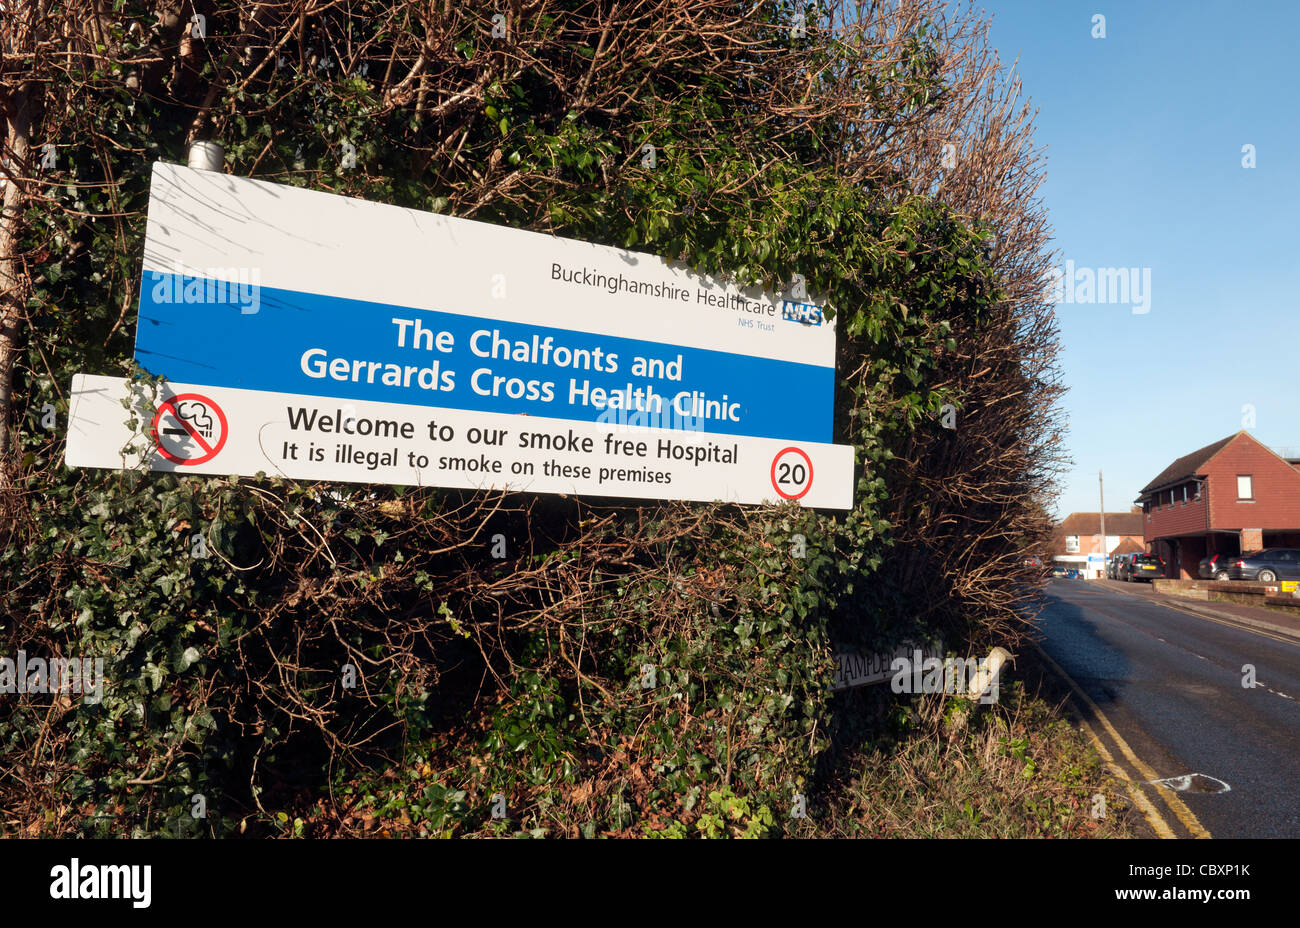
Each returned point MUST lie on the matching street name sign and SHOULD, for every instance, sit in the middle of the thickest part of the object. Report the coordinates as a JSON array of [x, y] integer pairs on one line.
[[853, 669]]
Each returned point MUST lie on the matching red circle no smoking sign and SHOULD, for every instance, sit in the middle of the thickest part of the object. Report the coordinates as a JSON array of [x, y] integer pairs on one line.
[[792, 473], [189, 429]]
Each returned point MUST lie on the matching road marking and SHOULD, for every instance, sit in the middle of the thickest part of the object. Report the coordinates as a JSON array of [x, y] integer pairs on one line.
[[1184, 783], [1284, 639], [1153, 817], [1226, 624], [1197, 615], [1176, 805]]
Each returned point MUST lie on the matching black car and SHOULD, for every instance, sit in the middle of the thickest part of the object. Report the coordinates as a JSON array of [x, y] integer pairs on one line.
[[1142, 567], [1266, 566], [1215, 567]]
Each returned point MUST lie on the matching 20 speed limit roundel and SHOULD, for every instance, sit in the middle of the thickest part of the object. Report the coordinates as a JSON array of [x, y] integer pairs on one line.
[[189, 429], [792, 473]]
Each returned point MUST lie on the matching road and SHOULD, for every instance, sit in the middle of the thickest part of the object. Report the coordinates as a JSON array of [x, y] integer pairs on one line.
[[1169, 685]]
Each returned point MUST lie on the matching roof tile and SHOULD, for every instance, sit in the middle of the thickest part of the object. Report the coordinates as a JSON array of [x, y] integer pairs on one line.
[[1188, 464], [1089, 523]]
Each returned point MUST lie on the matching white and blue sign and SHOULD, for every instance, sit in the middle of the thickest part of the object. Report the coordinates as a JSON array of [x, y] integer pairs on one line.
[[263, 287], [320, 337]]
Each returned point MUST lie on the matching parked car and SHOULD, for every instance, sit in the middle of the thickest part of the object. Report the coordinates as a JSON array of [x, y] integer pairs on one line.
[[1266, 566], [1215, 567], [1112, 566], [1142, 567]]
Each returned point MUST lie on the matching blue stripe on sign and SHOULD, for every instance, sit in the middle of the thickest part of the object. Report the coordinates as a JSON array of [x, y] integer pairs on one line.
[[262, 338]]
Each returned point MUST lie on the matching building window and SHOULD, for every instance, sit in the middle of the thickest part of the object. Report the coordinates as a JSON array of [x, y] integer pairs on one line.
[[1244, 488], [1071, 544], [1184, 495], [1197, 497]]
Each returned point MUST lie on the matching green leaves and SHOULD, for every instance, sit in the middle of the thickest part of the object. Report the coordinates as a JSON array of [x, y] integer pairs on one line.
[[224, 663]]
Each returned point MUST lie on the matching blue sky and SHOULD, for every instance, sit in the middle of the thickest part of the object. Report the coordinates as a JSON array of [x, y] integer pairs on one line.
[[1144, 132]]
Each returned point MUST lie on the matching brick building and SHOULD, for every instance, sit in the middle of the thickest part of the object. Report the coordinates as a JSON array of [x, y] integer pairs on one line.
[[1130, 546], [1232, 496], [1079, 535]]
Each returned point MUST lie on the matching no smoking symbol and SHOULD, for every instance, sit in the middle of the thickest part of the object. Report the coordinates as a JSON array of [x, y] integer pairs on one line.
[[792, 473], [189, 429]]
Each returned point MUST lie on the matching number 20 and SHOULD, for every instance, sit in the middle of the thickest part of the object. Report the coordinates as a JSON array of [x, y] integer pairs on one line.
[[792, 474]]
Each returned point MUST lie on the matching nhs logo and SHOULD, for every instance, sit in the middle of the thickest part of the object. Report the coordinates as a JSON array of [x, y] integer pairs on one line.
[[802, 313]]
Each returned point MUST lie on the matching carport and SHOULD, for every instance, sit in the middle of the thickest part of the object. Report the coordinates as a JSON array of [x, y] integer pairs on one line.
[[1183, 553]]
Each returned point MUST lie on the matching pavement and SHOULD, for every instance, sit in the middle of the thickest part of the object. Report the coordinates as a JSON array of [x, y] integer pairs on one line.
[[1193, 705]]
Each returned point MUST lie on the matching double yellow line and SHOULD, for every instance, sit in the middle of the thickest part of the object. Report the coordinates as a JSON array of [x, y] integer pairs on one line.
[[1149, 810]]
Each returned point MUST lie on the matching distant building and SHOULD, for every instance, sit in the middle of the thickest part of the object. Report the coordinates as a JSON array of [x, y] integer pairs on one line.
[[1129, 546], [1232, 496], [1079, 535]]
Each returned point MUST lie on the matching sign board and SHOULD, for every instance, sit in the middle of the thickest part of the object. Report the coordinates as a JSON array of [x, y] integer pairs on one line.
[[854, 670], [261, 286], [518, 360], [199, 429]]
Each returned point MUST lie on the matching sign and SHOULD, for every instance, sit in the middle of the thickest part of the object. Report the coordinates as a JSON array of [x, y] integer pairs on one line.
[[321, 337], [189, 429], [854, 670], [792, 473], [309, 438], [267, 287]]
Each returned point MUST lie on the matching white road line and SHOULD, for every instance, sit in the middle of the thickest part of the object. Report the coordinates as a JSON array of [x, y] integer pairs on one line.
[[1184, 783]]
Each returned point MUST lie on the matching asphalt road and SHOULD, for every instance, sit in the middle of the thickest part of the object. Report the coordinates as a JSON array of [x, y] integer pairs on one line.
[[1170, 684]]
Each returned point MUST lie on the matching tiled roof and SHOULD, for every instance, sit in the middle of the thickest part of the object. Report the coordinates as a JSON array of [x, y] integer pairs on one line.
[[1188, 464], [1089, 523]]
